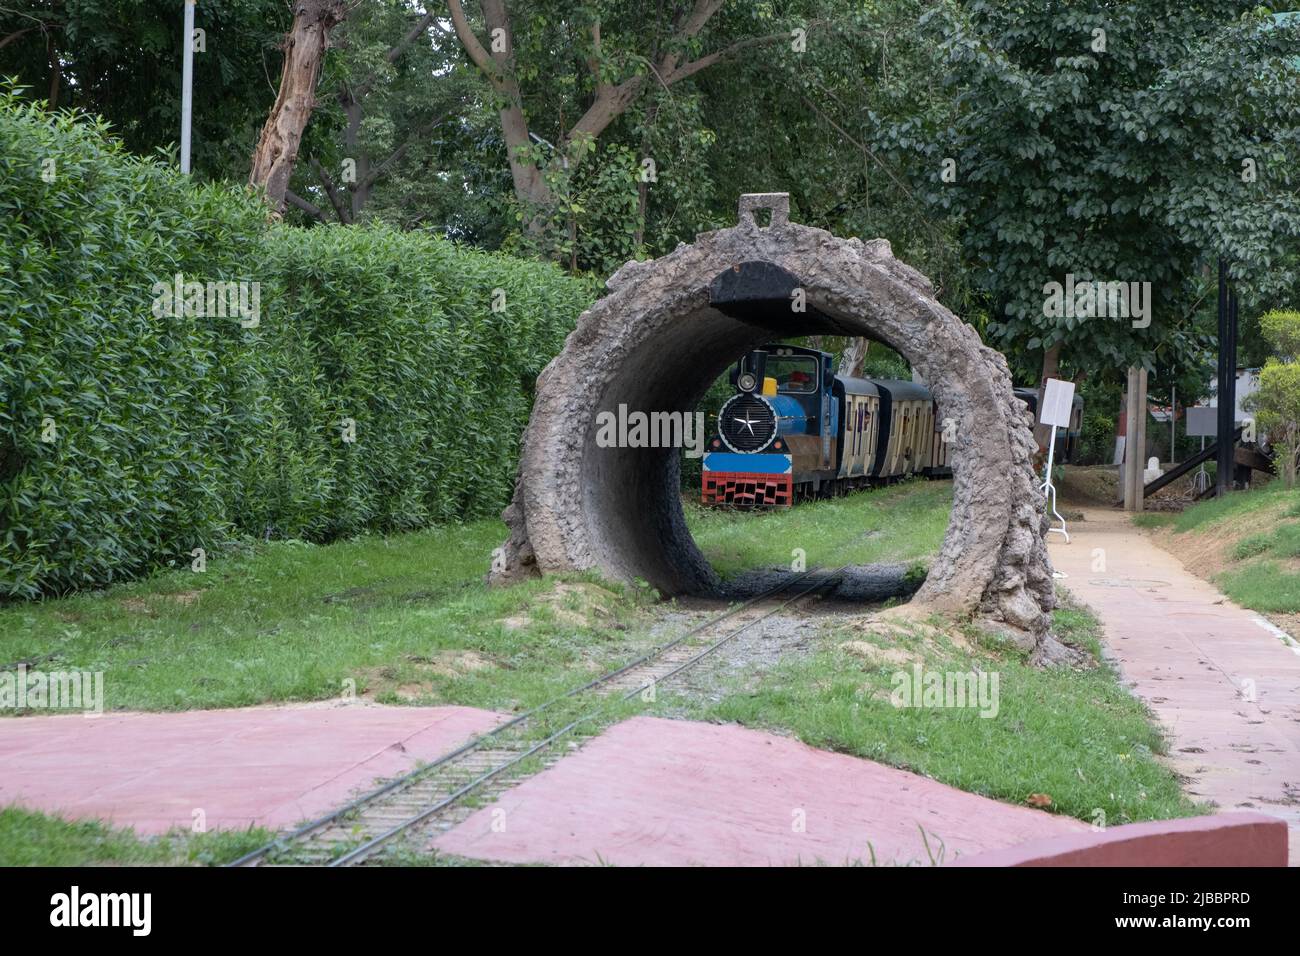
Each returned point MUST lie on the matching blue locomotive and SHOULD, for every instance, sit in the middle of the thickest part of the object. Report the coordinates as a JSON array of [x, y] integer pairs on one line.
[[794, 429]]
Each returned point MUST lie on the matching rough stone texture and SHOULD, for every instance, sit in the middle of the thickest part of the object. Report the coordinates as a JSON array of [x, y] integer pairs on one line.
[[655, 344]]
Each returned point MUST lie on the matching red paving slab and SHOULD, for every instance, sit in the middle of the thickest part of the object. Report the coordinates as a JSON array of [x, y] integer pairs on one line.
[[1224, 683], [660, 792], [269, 766], [1217, 839]]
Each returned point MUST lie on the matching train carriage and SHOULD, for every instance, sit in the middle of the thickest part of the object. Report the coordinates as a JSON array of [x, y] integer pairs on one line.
[[794, 429]]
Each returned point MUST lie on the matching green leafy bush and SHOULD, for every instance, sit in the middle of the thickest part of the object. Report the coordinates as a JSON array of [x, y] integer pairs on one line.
[[391, 339], [1277, 401], [120, 433], [132, 432]]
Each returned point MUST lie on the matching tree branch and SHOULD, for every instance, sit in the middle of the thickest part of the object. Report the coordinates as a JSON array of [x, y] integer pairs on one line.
[[14, 36], [398, 153], [330, 191], [704, 62], [481, 58], [295, 200], [396, 50], [700, 15]]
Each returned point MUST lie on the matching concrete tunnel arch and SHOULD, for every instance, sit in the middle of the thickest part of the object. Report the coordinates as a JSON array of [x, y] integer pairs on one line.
[[670, 326]]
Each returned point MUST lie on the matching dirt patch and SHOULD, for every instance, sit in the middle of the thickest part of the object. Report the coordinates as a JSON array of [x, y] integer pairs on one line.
[[570, 605], [1090, 485], [875, 654], [1208, 551], [1094, 485], [908, 625], [183, 598], [137, 606], [451, 663]]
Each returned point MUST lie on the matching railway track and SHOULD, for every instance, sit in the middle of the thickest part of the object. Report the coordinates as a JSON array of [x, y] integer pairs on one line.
[[438, 795]]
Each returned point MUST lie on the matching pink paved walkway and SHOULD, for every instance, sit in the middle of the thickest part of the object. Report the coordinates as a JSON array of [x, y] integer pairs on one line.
[[1195, 658], [271, 766], [667, 793]]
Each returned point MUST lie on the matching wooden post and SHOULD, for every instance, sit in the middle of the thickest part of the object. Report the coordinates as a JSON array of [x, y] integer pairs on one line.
[[1140, 463], [1227, 389], [1130, 439]]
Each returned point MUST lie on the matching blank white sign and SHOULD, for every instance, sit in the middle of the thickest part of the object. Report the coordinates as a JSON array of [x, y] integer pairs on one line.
[[1058, 402]]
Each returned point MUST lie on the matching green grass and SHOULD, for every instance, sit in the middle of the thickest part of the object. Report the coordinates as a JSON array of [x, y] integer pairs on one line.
[[901, 523], [1259, 576], [35, 839], [1263, 586], [1154, 519], [393, 617], [1213, 511], [1073, 734], [290, 621]]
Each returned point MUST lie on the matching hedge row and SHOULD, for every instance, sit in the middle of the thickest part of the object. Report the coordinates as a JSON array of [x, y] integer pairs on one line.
[[375, 388]]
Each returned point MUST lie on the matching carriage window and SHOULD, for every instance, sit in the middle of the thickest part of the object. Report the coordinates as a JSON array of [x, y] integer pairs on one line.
[[793, 373]]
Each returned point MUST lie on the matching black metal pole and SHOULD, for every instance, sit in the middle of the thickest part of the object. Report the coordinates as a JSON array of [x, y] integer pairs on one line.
[[1227, 385]]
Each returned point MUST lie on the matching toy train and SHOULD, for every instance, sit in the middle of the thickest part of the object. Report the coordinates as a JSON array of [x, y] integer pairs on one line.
[[795, 430]]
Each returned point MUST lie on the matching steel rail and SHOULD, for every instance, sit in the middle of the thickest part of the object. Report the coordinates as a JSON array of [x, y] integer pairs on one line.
[[286, 841], [366, 849]]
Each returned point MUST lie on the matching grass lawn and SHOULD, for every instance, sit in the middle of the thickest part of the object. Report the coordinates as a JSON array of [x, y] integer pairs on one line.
[[408, 618], [35, 839], [401, 617], [901, 523], [1248, 542]]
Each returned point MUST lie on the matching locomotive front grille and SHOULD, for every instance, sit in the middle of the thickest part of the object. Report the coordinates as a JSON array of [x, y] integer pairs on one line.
[[747, 423]]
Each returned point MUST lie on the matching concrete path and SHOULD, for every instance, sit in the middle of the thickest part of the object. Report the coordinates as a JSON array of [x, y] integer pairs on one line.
[[269, 766], [1223, 682], [657, 792]]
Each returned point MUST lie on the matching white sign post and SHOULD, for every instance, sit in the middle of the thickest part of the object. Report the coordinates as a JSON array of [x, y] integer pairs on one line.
[[1203, 421], [1055, 410]]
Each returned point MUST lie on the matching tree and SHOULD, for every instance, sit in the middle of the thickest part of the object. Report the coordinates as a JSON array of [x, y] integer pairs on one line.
[[1277, 401], [397, 95], [304, 52], [620, 65], [121, 59], [1092, 142]]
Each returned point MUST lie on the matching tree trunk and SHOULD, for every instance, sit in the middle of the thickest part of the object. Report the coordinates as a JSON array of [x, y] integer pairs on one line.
[[304, 50], [1051, 369], [853, 357]]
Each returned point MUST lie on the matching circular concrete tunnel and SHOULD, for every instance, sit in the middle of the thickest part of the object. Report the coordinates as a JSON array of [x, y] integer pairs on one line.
[[670, 326]]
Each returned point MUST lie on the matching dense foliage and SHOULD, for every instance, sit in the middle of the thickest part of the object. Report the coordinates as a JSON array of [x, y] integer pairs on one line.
[[132, 434], [1277, 402], [1133, 142]]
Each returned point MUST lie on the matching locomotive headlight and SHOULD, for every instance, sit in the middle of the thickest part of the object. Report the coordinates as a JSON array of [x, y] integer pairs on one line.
[[747, 382]]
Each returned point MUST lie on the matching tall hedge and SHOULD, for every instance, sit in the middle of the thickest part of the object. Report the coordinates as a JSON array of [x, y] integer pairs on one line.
[[129, 438]]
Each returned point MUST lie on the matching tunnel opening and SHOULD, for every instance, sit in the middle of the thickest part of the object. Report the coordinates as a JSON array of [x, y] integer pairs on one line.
[[669, 327]]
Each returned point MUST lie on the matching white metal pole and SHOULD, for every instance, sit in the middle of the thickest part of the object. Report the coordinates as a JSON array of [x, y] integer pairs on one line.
[[1051, 454], [187, 86]]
